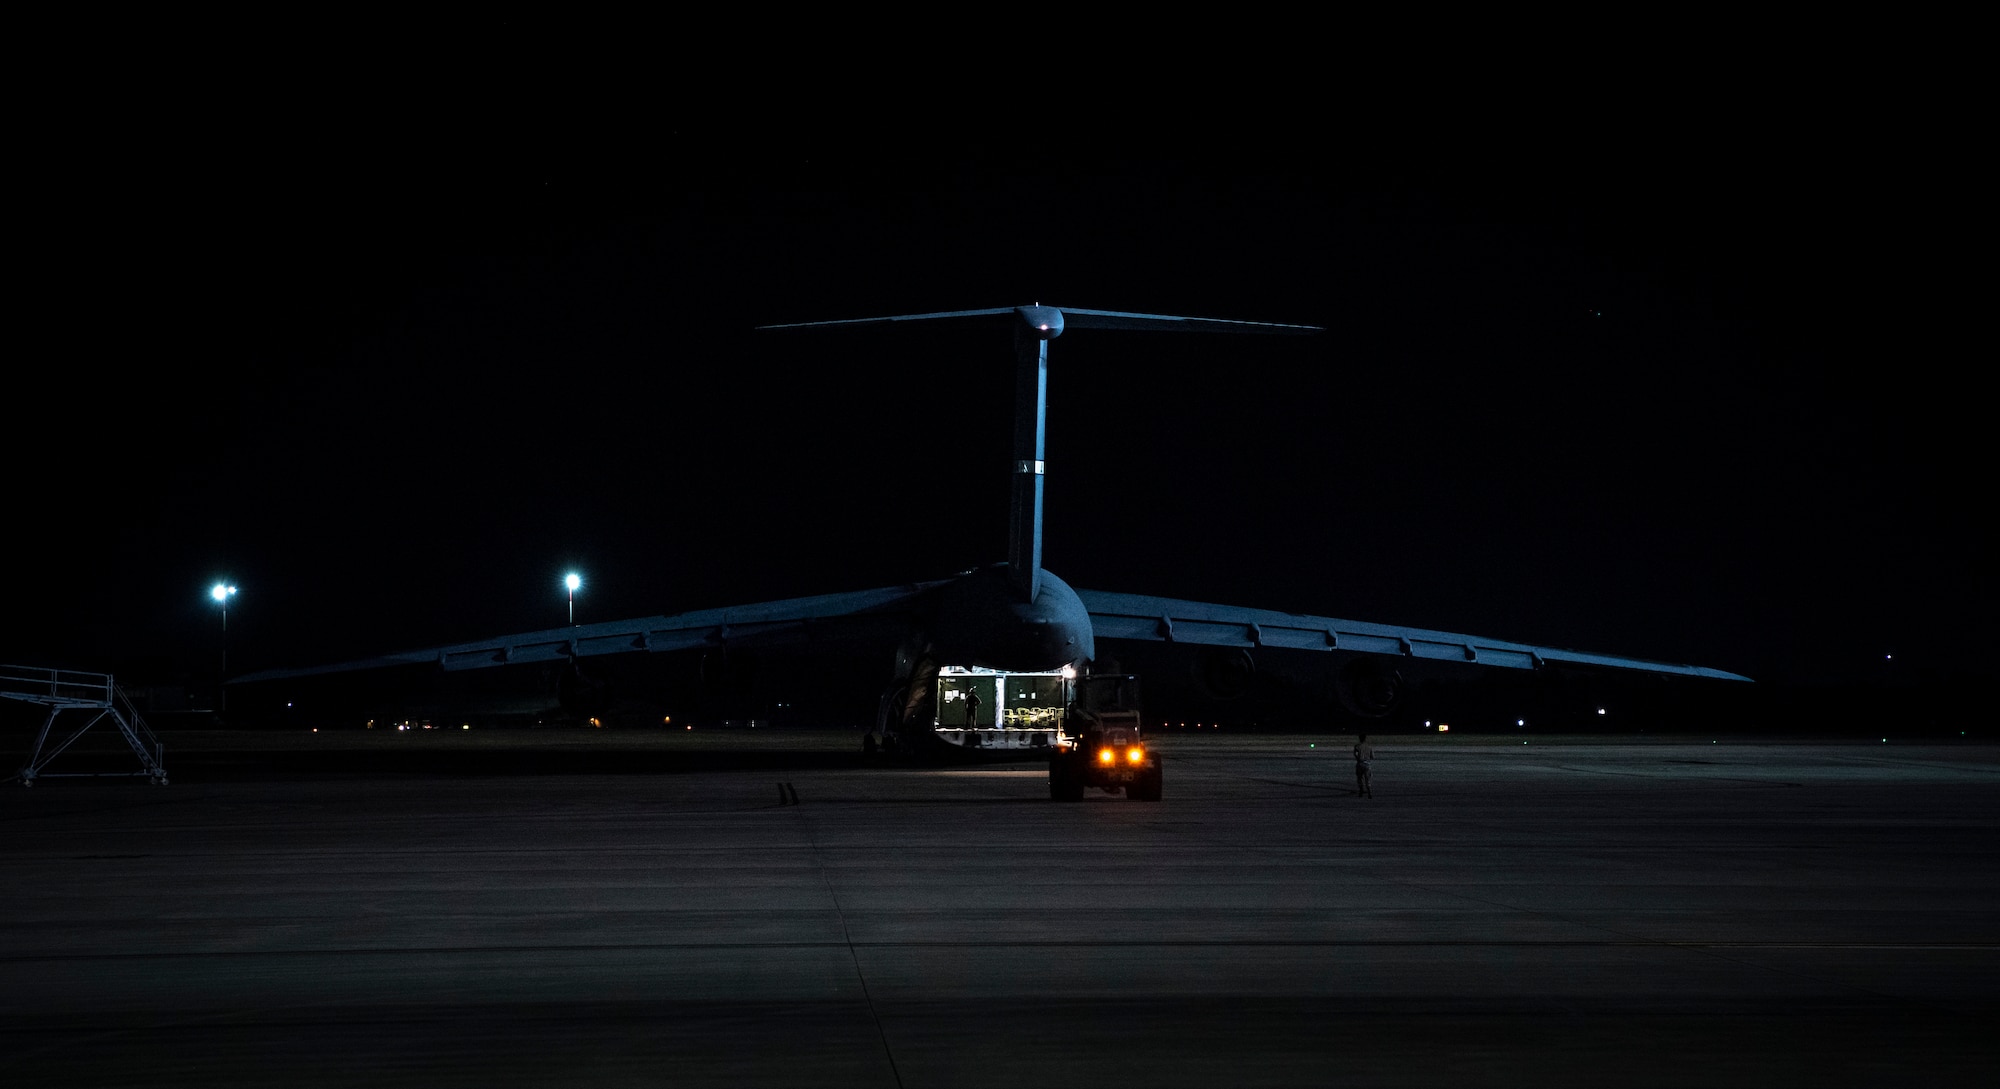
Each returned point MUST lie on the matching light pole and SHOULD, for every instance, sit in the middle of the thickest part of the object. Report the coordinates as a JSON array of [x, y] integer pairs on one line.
[[222, 592], [572, 581]]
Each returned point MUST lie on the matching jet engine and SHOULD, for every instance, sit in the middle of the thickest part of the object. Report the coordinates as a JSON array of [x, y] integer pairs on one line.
[[580, 695], [1224, 673], [1370, 687]]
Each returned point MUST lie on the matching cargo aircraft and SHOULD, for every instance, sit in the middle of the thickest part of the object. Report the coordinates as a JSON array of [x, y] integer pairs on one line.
[[979, 658]]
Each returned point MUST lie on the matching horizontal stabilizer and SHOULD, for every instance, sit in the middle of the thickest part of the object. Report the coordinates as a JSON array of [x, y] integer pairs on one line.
[[1076, 319], [1115, 319]]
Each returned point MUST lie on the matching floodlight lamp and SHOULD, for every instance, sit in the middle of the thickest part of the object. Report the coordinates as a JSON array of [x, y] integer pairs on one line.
[[221, 592], [572, 581]]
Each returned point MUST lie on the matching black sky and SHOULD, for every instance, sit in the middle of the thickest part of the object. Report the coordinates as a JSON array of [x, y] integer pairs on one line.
[[1696, 400]]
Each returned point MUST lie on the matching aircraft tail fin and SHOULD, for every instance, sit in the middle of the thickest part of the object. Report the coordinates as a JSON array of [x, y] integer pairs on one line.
[[1033, 327]]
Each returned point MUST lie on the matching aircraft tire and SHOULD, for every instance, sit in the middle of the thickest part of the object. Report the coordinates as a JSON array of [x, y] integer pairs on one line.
[[1148, 787], [1065, 785]]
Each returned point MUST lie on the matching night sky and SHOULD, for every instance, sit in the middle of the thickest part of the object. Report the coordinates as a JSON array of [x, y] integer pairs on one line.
[[1696, 400]]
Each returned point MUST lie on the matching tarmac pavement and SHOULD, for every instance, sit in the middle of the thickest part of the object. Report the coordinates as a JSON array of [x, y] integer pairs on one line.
[[1560, 912]]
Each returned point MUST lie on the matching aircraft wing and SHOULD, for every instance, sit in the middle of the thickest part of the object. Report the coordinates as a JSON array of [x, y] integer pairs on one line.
[[770, 623], [1169, 620]]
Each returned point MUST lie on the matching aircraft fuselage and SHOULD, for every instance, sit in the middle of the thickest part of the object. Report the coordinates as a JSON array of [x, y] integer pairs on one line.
[[983, 620]]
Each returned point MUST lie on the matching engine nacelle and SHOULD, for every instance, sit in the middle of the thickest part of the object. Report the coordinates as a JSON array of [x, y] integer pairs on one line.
[[581, 695], [1370, 687], [1224, 673]]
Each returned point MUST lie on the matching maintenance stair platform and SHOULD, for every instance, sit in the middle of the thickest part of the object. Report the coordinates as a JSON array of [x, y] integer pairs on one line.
[[99, 698]]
